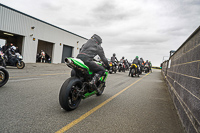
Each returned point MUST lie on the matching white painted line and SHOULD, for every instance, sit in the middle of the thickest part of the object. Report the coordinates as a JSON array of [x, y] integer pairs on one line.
[[17, 80]]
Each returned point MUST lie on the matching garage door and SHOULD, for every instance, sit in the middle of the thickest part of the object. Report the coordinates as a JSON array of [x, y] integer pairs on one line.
[[67, 52]]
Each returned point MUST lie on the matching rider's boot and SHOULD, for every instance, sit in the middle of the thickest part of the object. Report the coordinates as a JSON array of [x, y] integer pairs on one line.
[[94, 81], [129, 72]]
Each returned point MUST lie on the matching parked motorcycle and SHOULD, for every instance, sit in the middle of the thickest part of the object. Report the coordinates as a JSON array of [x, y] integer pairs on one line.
[[133, 70], [113, 67], [4, 76], [77, 86], [18, 61]]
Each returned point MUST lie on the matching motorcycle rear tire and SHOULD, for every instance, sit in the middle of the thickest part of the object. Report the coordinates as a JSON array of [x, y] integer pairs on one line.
[[132, 72], [65, 96], [5, 75], [21, 66], [115, 71], [110, 71]]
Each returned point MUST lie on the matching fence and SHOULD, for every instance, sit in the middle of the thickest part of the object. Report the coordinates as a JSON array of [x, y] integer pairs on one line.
[[182, 75]]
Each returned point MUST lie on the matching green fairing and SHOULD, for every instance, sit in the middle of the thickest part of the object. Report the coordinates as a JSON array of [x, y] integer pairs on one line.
[[105, 77], [86, 67], [80, 64], [89, 94]]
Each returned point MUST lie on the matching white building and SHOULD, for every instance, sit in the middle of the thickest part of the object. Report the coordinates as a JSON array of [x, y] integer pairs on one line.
[[32, 35]]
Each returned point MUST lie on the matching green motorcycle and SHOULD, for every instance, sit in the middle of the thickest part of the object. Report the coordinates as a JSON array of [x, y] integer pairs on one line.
[[77, 86]]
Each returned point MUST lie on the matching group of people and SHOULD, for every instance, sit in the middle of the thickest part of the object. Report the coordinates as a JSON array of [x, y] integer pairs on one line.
[[139, 62], [43, 57]]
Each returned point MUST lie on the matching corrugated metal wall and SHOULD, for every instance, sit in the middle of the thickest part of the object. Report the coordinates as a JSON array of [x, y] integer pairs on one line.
[[18, 23], [182, 73]]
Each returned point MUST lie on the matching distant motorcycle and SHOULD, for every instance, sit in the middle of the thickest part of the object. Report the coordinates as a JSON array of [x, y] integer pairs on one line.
[[146, 68], [113, 68], [127, 65], [4, 76], [133, 70], [142, 68], [121, 67]]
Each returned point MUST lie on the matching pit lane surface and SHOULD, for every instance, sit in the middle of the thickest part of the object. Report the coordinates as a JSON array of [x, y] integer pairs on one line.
[[29, 103]]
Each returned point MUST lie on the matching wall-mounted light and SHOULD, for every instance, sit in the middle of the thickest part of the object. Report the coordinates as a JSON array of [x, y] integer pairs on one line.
[[8, 34], [32, 27], [60, 44], [31, 35], [33, 39], [77, 45]]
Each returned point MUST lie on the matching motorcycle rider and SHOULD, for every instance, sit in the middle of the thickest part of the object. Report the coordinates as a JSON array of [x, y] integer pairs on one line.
[[137, 62], [113, 58], [150, 65], [11, 55], [4, 48], [88, 51], [122, 60], [127, 64], [141, 61], [147, 62]]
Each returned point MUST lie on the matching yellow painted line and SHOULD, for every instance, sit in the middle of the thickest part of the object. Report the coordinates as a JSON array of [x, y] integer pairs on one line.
[[37, 75], [67, 127]]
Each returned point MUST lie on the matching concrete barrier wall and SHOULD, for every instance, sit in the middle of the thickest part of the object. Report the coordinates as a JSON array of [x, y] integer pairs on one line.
[[182, 75]]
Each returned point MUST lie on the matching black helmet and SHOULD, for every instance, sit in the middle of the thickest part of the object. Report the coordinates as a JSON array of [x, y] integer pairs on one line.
[[114, 54], [123, 57], [97, 38]]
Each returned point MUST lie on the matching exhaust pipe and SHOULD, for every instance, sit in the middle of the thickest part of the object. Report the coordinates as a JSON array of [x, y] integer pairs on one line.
[[66, 60]]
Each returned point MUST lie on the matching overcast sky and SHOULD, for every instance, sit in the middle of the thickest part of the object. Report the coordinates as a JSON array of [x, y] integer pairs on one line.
[[129, 28]]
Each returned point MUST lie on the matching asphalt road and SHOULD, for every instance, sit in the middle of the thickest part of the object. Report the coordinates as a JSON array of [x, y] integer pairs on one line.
[[29, 104]]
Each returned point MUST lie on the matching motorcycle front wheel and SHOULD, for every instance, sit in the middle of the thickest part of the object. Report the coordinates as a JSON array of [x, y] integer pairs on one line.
[[69, 97], [20, 65], [4, 76]]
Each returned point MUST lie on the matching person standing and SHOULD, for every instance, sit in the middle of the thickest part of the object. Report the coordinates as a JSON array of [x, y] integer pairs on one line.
[[42, 56], [4, 48]]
